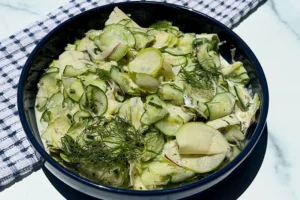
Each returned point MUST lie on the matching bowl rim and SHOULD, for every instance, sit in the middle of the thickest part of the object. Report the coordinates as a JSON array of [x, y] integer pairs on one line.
[[231, 166]]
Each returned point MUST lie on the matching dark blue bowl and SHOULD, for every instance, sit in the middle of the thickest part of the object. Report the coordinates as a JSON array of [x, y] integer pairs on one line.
[[144, 13]]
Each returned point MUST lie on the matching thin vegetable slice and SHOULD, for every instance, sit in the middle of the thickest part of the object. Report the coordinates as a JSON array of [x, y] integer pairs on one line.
[[148, 61]]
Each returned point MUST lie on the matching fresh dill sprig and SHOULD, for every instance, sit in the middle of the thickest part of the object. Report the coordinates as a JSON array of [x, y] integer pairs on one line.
[[106, 143], [103, 74], [198, 77]]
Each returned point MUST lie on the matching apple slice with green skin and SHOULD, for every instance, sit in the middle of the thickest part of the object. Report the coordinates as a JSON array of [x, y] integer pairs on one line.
[[199, 138]]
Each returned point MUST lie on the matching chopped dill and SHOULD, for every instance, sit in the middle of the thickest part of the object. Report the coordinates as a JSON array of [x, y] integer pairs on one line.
[[198, 77], [103, 74]]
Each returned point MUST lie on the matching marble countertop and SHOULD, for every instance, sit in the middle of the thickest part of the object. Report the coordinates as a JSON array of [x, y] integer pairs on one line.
[[273, 33]]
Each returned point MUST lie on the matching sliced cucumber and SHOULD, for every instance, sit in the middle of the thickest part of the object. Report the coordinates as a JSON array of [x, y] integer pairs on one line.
[[54, 105], [176, 110], [125, 82], [73, 87], [81, 116], [172, 93], [145, 81], [118, 32], [228, 120], [221, 105], [162, 38], [51, 68], [70, 58], [142, 40], [185, 45], [148, 61], [154, 143], [136, 110], [93, 79], [243, 95], [201, 163], [75, 130], [94, 101], [81, 44], [154, 112], [150, 178], [198, 138], [50, 83], [233, 133], [70, 71], [169, 125], [41, 98], [227, 70], [56, 130]]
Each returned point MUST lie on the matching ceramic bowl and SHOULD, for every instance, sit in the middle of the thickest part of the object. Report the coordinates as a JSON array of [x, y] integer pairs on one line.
[[145, 14]]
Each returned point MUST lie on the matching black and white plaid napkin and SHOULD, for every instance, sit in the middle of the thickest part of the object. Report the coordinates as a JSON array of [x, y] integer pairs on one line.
[[17, 156]]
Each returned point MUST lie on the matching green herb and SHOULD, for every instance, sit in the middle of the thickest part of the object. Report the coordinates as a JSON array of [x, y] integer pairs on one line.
[[198, 77], [107, 143], [103, 74]]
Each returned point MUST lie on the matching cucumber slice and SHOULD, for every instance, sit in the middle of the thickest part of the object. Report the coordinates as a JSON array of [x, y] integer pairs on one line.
[[227, 70], [154, 112], [154, 143], [73, 87], [49, 83], [170, 63], [148, 61], [202, 164], [70, 58], [75, 130], [172, 93], [94, 101], [145, 81], [70, 71], [178, 174], [150, 178], [176, 110], [162, 38], [125, 82], [169, 125], [54, 105], [185, 45], [233, 133], [228, 120], [80, 116], [142, 40], [117, 33], [136, 110], [198, 138], [81, 44], [221, 105], [41, 99], [52, 69], [56, 130], [243, 95], [93, 79]]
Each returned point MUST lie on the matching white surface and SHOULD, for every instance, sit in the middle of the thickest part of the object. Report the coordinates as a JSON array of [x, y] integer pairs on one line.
[[273, 33]]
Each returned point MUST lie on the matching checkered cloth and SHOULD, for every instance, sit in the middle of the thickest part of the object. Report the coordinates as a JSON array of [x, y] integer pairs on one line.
[[17, 156]]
